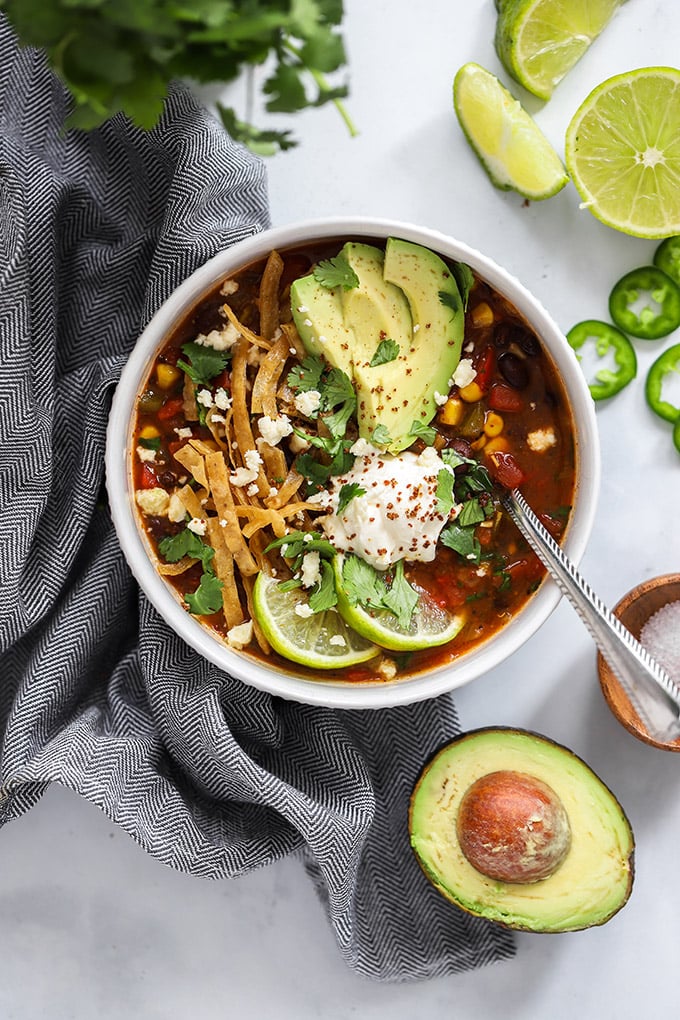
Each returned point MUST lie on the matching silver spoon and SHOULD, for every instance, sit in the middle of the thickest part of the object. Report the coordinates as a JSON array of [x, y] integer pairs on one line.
[[652, 692]]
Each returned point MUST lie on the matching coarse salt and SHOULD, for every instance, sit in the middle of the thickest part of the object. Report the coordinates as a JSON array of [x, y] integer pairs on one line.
[[661, 637]]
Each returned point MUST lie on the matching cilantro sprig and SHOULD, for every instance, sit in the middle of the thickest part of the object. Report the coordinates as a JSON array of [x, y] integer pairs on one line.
[[473, 489], [375, 590], [207, 598], [204, 363], [335, 272], [121, 57], [294, 547]]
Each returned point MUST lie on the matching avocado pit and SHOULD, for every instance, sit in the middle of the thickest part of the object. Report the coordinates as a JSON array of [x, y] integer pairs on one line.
[[512, 827]]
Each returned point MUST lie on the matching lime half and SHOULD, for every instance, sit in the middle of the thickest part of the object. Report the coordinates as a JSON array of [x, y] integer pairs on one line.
[[623, 152], [509, 143], [430, 624], [320, 640], [539, 41]]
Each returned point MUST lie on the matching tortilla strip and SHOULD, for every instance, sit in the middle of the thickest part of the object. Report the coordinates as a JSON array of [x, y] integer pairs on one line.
[[223, 564], [259, 517], [173, 569], [263, 397], [193, 462], [293, 340], [192, 501], [265, 647], [286, 491], [243, 433], [246, 334], [274, 462], [269, 295], [218, 477]]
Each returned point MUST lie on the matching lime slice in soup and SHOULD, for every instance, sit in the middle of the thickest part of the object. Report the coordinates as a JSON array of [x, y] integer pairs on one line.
[[539, 41], [507, 140], [623, 152], [429, 626], [317, 640]]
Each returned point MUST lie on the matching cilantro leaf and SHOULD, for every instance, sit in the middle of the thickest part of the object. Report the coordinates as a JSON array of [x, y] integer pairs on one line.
[[205, 362], [444, 492], [381, 436], [186, 543], [425, 432], [336, 272], [207, 598], [348, 492], [307, 375], [471, 513], [262, 142], [386, 351], [324, 596], [401, 598], [153, 443], [465, 280], [449, 300], [337, 389], [461, 540]]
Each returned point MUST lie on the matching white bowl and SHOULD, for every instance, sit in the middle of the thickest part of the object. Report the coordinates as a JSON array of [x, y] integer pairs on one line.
[[291, 684]]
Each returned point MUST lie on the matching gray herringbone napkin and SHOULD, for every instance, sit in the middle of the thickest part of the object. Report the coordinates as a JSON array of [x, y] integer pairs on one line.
[[206, 774]]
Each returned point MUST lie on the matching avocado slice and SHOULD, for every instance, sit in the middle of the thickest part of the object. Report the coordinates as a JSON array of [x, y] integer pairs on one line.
[[318, 316], [406, 295], [592, 877]]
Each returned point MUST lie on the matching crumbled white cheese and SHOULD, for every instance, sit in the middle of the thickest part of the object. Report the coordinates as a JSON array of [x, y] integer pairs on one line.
[[229, 287], [241, 635], [296, 444], [198, 525], [252, 489], [222, 399], [184, 433], [245, 475], [440, 398], [219, 339], [273, 430], [311, 569], [386, 668], [153, 502], [176, 511], [145, 455], [541, 440], [308, 402], [205, 398], [464, 373], [304, 610]]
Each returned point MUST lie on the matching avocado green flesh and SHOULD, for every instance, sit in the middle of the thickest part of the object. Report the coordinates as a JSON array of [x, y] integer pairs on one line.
[[592, 883], [398, 289]]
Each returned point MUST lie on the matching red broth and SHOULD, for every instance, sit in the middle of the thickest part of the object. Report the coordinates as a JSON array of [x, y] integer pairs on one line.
[[514, 417]]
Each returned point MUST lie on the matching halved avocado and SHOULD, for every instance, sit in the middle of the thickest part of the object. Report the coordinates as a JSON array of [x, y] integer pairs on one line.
[[592, 874]]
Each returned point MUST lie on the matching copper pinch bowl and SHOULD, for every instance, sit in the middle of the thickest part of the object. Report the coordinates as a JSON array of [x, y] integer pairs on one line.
[[634, 610]]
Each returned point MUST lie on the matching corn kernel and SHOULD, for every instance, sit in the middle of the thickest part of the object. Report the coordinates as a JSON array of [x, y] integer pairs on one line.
[[452, 412], [498, 444], [482, 314], [479, 443], [471, 393], [149, 432], [167, 375], [493, 424]]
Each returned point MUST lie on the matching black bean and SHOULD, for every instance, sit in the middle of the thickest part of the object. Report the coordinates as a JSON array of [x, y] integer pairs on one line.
[[168, 478], [528, 342], [514, 370]]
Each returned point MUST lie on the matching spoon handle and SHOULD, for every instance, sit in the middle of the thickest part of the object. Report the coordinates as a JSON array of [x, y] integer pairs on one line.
[[642, 678]]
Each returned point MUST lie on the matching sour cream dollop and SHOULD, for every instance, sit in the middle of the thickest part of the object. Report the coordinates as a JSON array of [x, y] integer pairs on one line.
[[396, 517]]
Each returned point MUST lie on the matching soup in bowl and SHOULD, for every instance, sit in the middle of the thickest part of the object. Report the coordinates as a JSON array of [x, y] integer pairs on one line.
[[306, 450]]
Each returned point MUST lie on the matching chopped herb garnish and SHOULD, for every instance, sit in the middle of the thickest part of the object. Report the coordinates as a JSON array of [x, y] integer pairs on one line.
[[444, 492], [365, 586], [425, 432], [323, 595], [186, 543], [465, 279], [205, 362], [307, 375], [462, 541], [207, 598], [381, 436], [449, 300], [386, 351], [336, 272], [348, 492]]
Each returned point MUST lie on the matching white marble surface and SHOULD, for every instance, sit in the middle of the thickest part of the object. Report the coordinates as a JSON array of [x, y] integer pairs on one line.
[[91, 927]]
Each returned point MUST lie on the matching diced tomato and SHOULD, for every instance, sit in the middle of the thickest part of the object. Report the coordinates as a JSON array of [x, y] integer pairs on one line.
[[485, 365], [505, 470], [504, 398], [171, 408], [147, 477], [525, 568], [551, 524]]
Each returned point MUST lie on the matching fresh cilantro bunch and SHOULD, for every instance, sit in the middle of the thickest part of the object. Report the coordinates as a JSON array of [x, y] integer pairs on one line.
[[120, 55]]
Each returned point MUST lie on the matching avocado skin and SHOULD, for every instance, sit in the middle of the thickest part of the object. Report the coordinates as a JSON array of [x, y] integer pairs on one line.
[[496, 907]]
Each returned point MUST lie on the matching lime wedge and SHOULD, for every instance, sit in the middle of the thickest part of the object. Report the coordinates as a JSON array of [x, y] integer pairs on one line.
[[539, 41], [320, 641], [509, 143], [623, 152], [430, 624]]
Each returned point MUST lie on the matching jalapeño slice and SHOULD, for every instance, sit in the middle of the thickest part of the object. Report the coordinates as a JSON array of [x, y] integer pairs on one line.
[[607, 341], [645, 303], [667, 258], [661, 371]]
